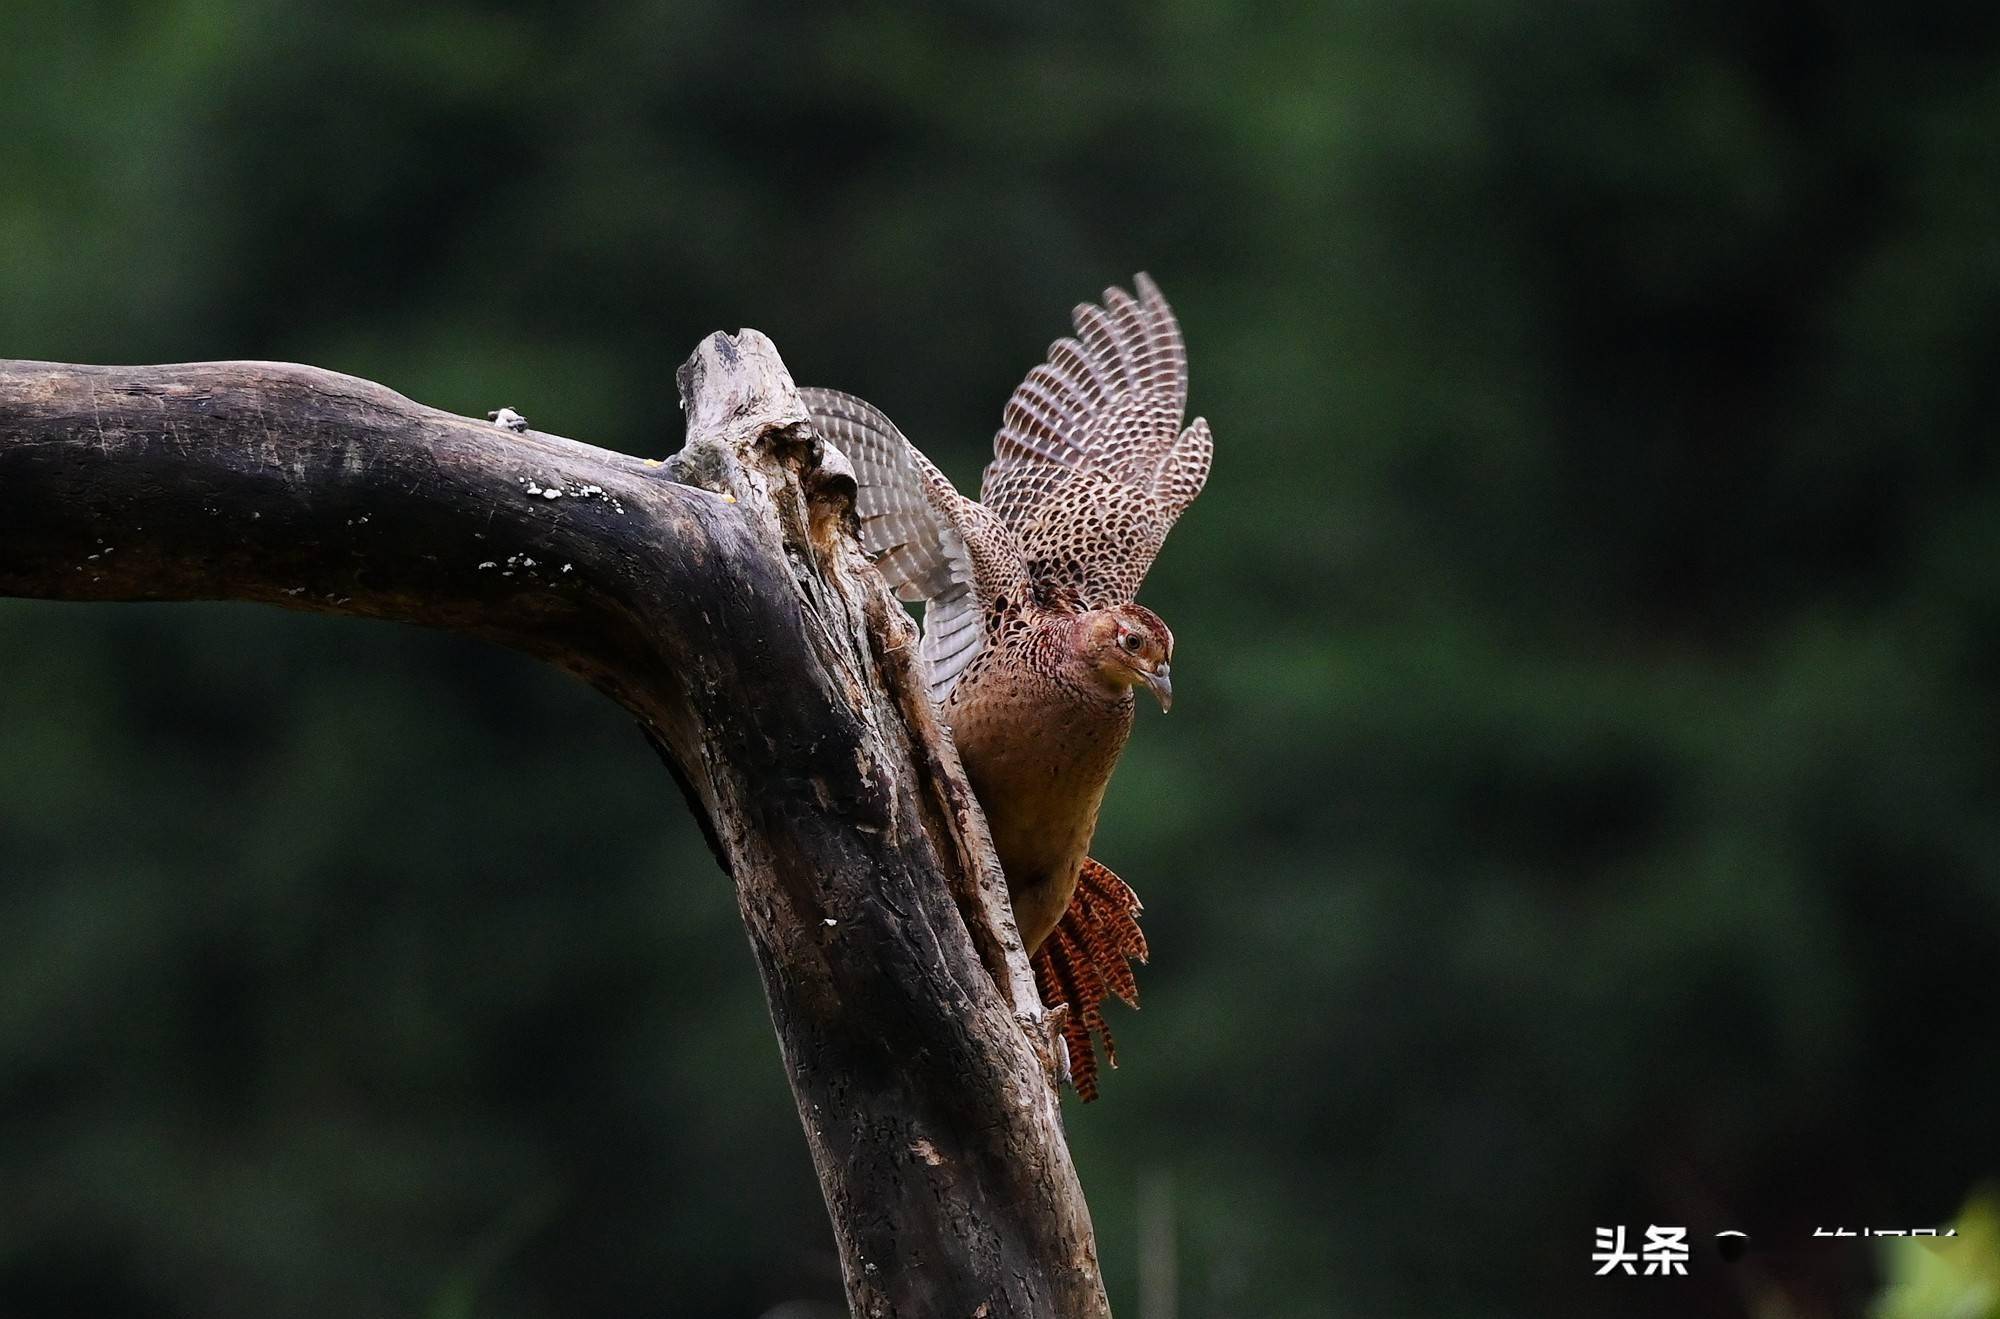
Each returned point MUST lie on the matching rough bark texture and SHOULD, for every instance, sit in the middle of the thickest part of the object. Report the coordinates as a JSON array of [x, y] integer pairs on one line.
[[721, 598]]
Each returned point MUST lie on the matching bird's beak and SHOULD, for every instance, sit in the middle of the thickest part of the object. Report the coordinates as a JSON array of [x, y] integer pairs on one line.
[[1162, 683]]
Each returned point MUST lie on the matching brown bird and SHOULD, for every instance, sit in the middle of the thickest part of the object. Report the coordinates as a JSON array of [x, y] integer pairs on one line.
[[1033, 643]]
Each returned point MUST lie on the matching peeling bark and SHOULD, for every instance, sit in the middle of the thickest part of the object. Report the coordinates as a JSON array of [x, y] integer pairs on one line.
[[722, 599]]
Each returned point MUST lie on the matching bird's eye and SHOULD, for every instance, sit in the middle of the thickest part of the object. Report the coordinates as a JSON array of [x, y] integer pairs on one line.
[[1130, 641]]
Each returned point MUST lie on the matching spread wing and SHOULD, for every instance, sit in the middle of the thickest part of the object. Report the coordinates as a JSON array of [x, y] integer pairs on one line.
[[930, 542], [1090, 466]]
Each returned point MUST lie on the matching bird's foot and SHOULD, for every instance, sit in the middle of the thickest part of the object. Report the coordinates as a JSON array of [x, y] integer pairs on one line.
[[1054, 1045]]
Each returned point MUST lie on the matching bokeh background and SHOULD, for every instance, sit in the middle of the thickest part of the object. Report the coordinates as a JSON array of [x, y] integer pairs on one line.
[[1580, 804]]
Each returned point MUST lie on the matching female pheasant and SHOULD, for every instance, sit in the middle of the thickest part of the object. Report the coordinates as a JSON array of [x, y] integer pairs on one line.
[[1032, 639]]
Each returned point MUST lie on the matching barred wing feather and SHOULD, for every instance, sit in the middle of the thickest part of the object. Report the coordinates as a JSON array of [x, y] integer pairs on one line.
[[930, 543], [1091, 466]]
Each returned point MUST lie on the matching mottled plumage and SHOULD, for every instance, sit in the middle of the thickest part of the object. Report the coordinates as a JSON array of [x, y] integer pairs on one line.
[[1031, 638]]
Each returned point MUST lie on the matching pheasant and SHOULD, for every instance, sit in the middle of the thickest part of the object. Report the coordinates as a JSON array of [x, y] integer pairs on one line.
[[1034, 645]]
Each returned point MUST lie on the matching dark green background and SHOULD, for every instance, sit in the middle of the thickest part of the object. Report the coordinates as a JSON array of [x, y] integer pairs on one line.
[[1580, 804]]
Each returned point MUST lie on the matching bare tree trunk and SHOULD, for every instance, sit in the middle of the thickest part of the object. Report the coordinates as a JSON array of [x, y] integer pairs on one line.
[[721, 599]]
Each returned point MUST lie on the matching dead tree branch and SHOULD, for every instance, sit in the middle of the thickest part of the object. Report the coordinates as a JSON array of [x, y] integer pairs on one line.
[[722, 600]]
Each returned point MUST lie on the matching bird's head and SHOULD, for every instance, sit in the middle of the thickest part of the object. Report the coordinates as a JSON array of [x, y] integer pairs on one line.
[[1128, 646]]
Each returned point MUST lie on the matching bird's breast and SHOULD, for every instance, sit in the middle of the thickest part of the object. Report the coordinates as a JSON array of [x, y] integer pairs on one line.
[[1039, 757]]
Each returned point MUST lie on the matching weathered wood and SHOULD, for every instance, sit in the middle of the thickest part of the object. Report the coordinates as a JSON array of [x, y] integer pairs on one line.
[[722, 599]]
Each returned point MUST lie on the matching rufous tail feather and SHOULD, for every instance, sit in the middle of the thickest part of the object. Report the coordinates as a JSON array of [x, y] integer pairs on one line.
[[1087, 959]]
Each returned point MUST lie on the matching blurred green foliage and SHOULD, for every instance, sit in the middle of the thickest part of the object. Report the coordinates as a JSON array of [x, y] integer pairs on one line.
[[1940, 1278], [1579, 807]]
